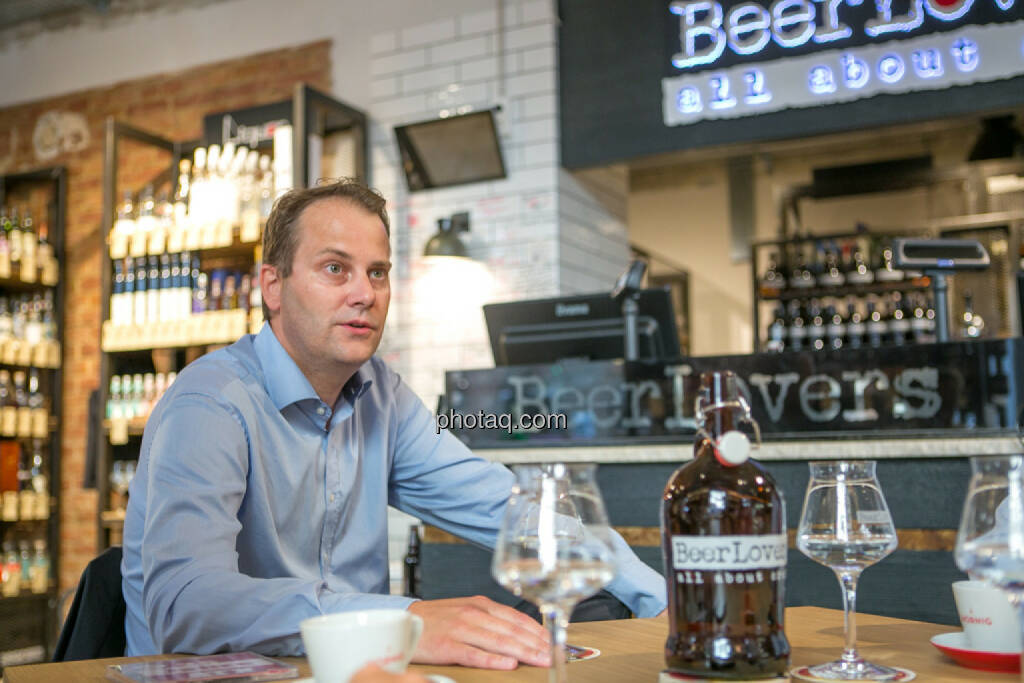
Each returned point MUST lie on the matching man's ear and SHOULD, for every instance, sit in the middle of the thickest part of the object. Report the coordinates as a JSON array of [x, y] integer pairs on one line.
[[270, 287]]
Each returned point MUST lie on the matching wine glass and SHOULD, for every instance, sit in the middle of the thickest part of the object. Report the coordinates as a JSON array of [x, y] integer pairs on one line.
[[555, 546], [846, 526], [990, 542]]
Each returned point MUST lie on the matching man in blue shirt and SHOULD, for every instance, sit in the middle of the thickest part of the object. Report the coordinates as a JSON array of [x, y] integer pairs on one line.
[[266, 470]]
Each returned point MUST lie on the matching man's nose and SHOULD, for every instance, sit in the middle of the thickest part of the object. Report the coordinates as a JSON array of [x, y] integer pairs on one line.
[[361, 292]]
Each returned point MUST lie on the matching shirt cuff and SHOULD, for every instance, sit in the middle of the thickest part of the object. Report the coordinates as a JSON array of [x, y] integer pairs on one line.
[[639, 587]]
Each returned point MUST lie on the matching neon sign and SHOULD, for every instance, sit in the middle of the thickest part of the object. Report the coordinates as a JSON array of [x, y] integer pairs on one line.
[[972, 55], [707, 30]]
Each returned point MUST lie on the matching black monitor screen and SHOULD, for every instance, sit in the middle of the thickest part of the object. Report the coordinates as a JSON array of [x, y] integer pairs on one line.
[[450, 151], [588, 326]]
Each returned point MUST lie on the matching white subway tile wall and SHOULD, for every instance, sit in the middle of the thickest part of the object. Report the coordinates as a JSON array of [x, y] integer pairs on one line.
[[539, 232]]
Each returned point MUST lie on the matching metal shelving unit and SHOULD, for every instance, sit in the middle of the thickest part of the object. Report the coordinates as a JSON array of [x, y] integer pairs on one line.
[[27, 621]]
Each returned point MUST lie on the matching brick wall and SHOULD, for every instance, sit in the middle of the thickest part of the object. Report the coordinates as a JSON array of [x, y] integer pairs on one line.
[[171, 105]]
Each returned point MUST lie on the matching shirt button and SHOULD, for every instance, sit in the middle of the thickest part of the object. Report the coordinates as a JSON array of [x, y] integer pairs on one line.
[[332, 497], [321, 410]]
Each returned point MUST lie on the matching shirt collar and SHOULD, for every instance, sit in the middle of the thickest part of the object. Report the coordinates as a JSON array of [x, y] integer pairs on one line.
[[285, 382]]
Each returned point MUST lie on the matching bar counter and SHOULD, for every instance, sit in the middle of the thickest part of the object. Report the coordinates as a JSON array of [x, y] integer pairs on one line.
[[632, 650], [770, 451]]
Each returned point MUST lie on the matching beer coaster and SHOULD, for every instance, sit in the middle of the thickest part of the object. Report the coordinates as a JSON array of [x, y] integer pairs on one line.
[[803, 673], [667, 676], [575, 653]]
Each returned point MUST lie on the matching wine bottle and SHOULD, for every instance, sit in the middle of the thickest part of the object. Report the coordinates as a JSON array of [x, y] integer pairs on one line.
[[777, 331], [797, 330], [724, 546]]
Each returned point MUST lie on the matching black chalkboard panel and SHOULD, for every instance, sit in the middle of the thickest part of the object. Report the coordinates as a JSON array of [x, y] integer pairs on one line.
[[614, 53]]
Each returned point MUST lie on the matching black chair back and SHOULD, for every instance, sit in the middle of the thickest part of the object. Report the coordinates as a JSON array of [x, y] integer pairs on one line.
[[95, 624]]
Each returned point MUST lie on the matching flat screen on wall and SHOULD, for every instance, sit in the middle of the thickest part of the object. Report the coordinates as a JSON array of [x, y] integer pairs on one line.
[[450, 151]]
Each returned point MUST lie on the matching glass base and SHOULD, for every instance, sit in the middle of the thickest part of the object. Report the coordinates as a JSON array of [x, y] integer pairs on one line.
[[857, 670]]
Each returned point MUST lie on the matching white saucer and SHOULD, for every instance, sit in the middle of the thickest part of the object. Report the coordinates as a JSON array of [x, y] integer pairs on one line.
[[958, 640]]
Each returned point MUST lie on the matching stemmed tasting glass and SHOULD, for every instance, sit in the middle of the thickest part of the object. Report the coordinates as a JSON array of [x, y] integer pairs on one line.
[[990, 542], [555, 546], [846, 526]]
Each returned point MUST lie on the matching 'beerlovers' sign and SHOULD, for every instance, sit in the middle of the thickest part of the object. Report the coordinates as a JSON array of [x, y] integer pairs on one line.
[[965, 387], [759, 57]]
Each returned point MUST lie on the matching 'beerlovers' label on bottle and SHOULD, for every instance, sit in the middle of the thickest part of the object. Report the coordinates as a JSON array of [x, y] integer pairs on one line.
[[728, 553]]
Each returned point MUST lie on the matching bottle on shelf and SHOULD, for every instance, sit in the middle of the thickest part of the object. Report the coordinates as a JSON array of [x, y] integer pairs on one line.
[[5, 244], [39, 575], [835, 329], [114, 399], [49, 268], [922, 322], [153, 290], [29, 260], [801, 276], [124, 227], [10, 573], [856, 330], [15, 238], [25, 562], [886, 271], [797, 329], [140, 300], [971, 323], [816, 328], [831, 275], [899, 322], [875, 326], [773, 281], [777, 331], [724, 545]]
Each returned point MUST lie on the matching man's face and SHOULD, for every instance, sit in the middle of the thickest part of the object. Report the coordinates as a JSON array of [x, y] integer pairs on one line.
[[329, 313]]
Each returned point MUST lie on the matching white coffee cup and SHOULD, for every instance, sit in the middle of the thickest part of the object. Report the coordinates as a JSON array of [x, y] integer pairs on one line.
[[340, 644], [989, 619]]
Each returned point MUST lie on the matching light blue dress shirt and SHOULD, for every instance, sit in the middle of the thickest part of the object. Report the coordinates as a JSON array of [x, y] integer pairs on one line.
[[256, 505]]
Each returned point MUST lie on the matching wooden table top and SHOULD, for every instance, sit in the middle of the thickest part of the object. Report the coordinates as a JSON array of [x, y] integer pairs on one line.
[[632, 650]]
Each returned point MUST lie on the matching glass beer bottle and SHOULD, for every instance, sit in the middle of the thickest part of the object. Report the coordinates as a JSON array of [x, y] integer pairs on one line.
[[724, 546]]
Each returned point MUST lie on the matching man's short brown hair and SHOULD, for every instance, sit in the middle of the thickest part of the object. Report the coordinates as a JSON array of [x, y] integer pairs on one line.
[[281, 234]]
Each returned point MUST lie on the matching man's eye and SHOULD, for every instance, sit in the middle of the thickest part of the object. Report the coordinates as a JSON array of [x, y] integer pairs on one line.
[[379, 274], [334, 268]]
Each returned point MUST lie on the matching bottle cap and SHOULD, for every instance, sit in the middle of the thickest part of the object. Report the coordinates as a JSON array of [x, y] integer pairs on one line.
[[733, 448]]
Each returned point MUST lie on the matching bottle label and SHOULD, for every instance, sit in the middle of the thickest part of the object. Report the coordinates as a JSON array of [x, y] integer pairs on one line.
[[728, 553]]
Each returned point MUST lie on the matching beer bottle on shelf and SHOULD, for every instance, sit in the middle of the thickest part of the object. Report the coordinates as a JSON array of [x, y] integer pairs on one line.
[[724, 546], [831, 275], [922, 324], [773, 280], [835, 329], [816, 328], [801, 277], [855, 328], [876, 327], [797, 331], [899, 323], [859, 273], [777, 331]]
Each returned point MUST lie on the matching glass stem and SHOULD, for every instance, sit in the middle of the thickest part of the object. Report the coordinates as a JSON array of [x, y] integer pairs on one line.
[[848, 582], [557, 620]]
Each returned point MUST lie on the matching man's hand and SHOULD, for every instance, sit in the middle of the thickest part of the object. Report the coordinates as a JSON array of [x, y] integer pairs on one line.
[[371, 673], [478, 632]]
